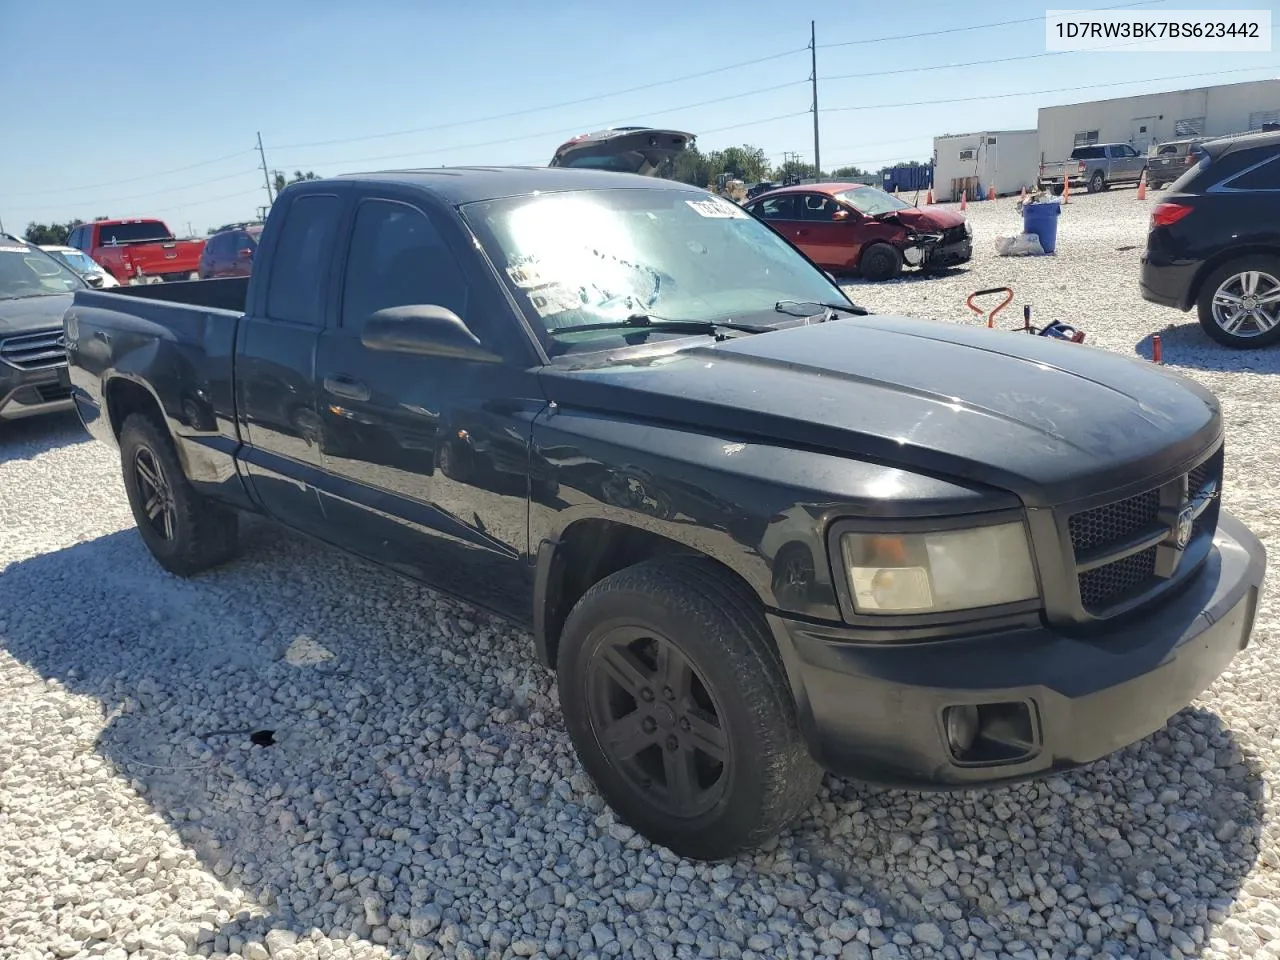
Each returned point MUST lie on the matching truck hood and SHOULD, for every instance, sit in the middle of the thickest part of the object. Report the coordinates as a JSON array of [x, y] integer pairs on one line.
[[1046, 420], [31, 314], [923, 220]]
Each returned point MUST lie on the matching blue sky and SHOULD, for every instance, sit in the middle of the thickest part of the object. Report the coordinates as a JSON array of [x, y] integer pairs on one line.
[[152, 108]]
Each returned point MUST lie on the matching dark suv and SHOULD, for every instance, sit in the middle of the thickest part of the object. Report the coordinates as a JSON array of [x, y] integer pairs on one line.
[[229, 253], [1214, 242]]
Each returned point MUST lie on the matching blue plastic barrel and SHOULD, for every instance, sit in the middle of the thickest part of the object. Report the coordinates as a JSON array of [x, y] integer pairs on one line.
[[1042, 220]]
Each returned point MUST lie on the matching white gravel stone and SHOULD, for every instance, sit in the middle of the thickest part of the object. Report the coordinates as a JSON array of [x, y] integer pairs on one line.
[[421, 799]]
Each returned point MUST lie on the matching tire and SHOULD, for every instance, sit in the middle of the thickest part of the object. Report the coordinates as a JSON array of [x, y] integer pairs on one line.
[[189, 534], [880, 262], [735, 690], [1097, 183], [1155, 184], [1056, 189], [1233, 279]]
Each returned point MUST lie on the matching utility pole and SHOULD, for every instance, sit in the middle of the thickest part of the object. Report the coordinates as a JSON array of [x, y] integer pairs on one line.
[[813, 57], [266, 176]]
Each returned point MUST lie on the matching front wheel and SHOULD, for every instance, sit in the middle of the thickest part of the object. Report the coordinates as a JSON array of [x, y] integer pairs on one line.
[[679, 708], [185, 532], [881, 262], [1239, 303]]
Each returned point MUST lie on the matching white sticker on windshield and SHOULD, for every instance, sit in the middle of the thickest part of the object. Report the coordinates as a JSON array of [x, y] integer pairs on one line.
[[554, 298], [526, 274], [8, 249], [718, 208]]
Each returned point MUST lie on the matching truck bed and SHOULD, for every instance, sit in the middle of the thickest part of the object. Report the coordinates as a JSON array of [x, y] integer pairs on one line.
[[176, 342]]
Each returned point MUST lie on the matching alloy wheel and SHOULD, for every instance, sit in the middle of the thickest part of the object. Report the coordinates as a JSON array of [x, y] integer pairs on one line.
[[157, 494], [657, 721], [1247, 304]]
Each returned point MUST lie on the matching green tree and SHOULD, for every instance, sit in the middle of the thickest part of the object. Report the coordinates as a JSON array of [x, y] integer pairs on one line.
[[796, 168], [50, 233], [746, 162], [843, 173], [279, 182]]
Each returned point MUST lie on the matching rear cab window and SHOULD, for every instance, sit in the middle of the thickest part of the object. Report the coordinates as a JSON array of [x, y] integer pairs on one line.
[[301, 259], [146, 230]]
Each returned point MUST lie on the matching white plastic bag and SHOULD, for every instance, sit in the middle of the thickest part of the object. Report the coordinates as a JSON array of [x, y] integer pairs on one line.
[[1022, 245]]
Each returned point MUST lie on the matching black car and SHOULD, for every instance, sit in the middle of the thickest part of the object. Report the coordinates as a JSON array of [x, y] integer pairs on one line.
[[1214, 242], [35, 291]]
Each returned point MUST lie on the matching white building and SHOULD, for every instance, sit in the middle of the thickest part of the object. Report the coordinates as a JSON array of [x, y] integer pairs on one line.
[[974, 162], [1157, 117]]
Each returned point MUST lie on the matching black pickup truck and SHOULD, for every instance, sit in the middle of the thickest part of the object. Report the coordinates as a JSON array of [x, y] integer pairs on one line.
[[756, 532]]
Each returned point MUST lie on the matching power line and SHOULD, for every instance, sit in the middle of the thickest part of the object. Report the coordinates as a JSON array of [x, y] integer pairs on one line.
[[149, 176], [1032, 93], [143, 196], [976, 26], [551, 106], [552, 133]]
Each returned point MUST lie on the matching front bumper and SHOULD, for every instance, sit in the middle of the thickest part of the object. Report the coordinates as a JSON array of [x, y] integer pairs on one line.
[[1168, 285], [29, 393], [876, 712], [948, 254]]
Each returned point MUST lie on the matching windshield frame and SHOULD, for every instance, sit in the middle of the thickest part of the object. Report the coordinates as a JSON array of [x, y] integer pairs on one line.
[[639, 338], [10, 247]]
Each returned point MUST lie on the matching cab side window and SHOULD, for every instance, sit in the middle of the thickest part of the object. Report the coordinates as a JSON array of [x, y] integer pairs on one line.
[[296, 293], [777, 208], [818, 207], [398, 258]]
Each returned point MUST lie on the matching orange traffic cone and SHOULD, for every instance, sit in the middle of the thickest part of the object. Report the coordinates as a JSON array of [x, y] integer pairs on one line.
[[928, 199], [1156, 353], [964, 199], [991, 193], [1066, 188], [1022, 197], [1142, 186]]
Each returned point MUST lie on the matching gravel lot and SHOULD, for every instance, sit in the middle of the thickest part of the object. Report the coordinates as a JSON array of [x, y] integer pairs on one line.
[[420, 800]]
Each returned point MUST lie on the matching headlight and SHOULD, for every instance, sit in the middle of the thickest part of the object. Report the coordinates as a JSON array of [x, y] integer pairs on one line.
[[938, 572]]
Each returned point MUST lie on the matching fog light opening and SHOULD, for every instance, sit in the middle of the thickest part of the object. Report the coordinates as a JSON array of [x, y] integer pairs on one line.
[[962, 728], [990, 734]]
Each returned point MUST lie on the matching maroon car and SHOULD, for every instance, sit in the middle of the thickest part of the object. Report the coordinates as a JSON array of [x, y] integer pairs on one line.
[[229, 253], [852, 228]]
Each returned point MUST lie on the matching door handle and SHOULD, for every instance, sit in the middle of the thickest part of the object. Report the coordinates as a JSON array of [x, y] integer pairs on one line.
[[340, 385]]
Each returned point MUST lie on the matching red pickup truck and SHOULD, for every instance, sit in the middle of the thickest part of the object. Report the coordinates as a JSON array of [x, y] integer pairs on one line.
[[138, 251]]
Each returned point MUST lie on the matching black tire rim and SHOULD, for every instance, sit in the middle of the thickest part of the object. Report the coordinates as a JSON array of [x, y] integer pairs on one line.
[[657, 721], [156, 493]]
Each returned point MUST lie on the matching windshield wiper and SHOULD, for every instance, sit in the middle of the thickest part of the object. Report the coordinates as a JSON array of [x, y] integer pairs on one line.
[[826, 310], [647, 321]]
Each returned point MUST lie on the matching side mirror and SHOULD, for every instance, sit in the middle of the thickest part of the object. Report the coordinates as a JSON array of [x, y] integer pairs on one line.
[[840, 215], [424, 329], [246, 253]]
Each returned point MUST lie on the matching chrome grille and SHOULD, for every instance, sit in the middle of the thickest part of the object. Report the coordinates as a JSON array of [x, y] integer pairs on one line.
[[1128, 549], [34, 351]]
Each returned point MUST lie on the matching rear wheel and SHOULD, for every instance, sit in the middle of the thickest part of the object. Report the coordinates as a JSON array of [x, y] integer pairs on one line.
[[1096, 183], [1239, 303], [680, 710], [184, 531], [881, 262]]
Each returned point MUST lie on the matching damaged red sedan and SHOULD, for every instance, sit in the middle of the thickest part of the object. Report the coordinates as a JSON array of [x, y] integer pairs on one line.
[[850, 228]]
